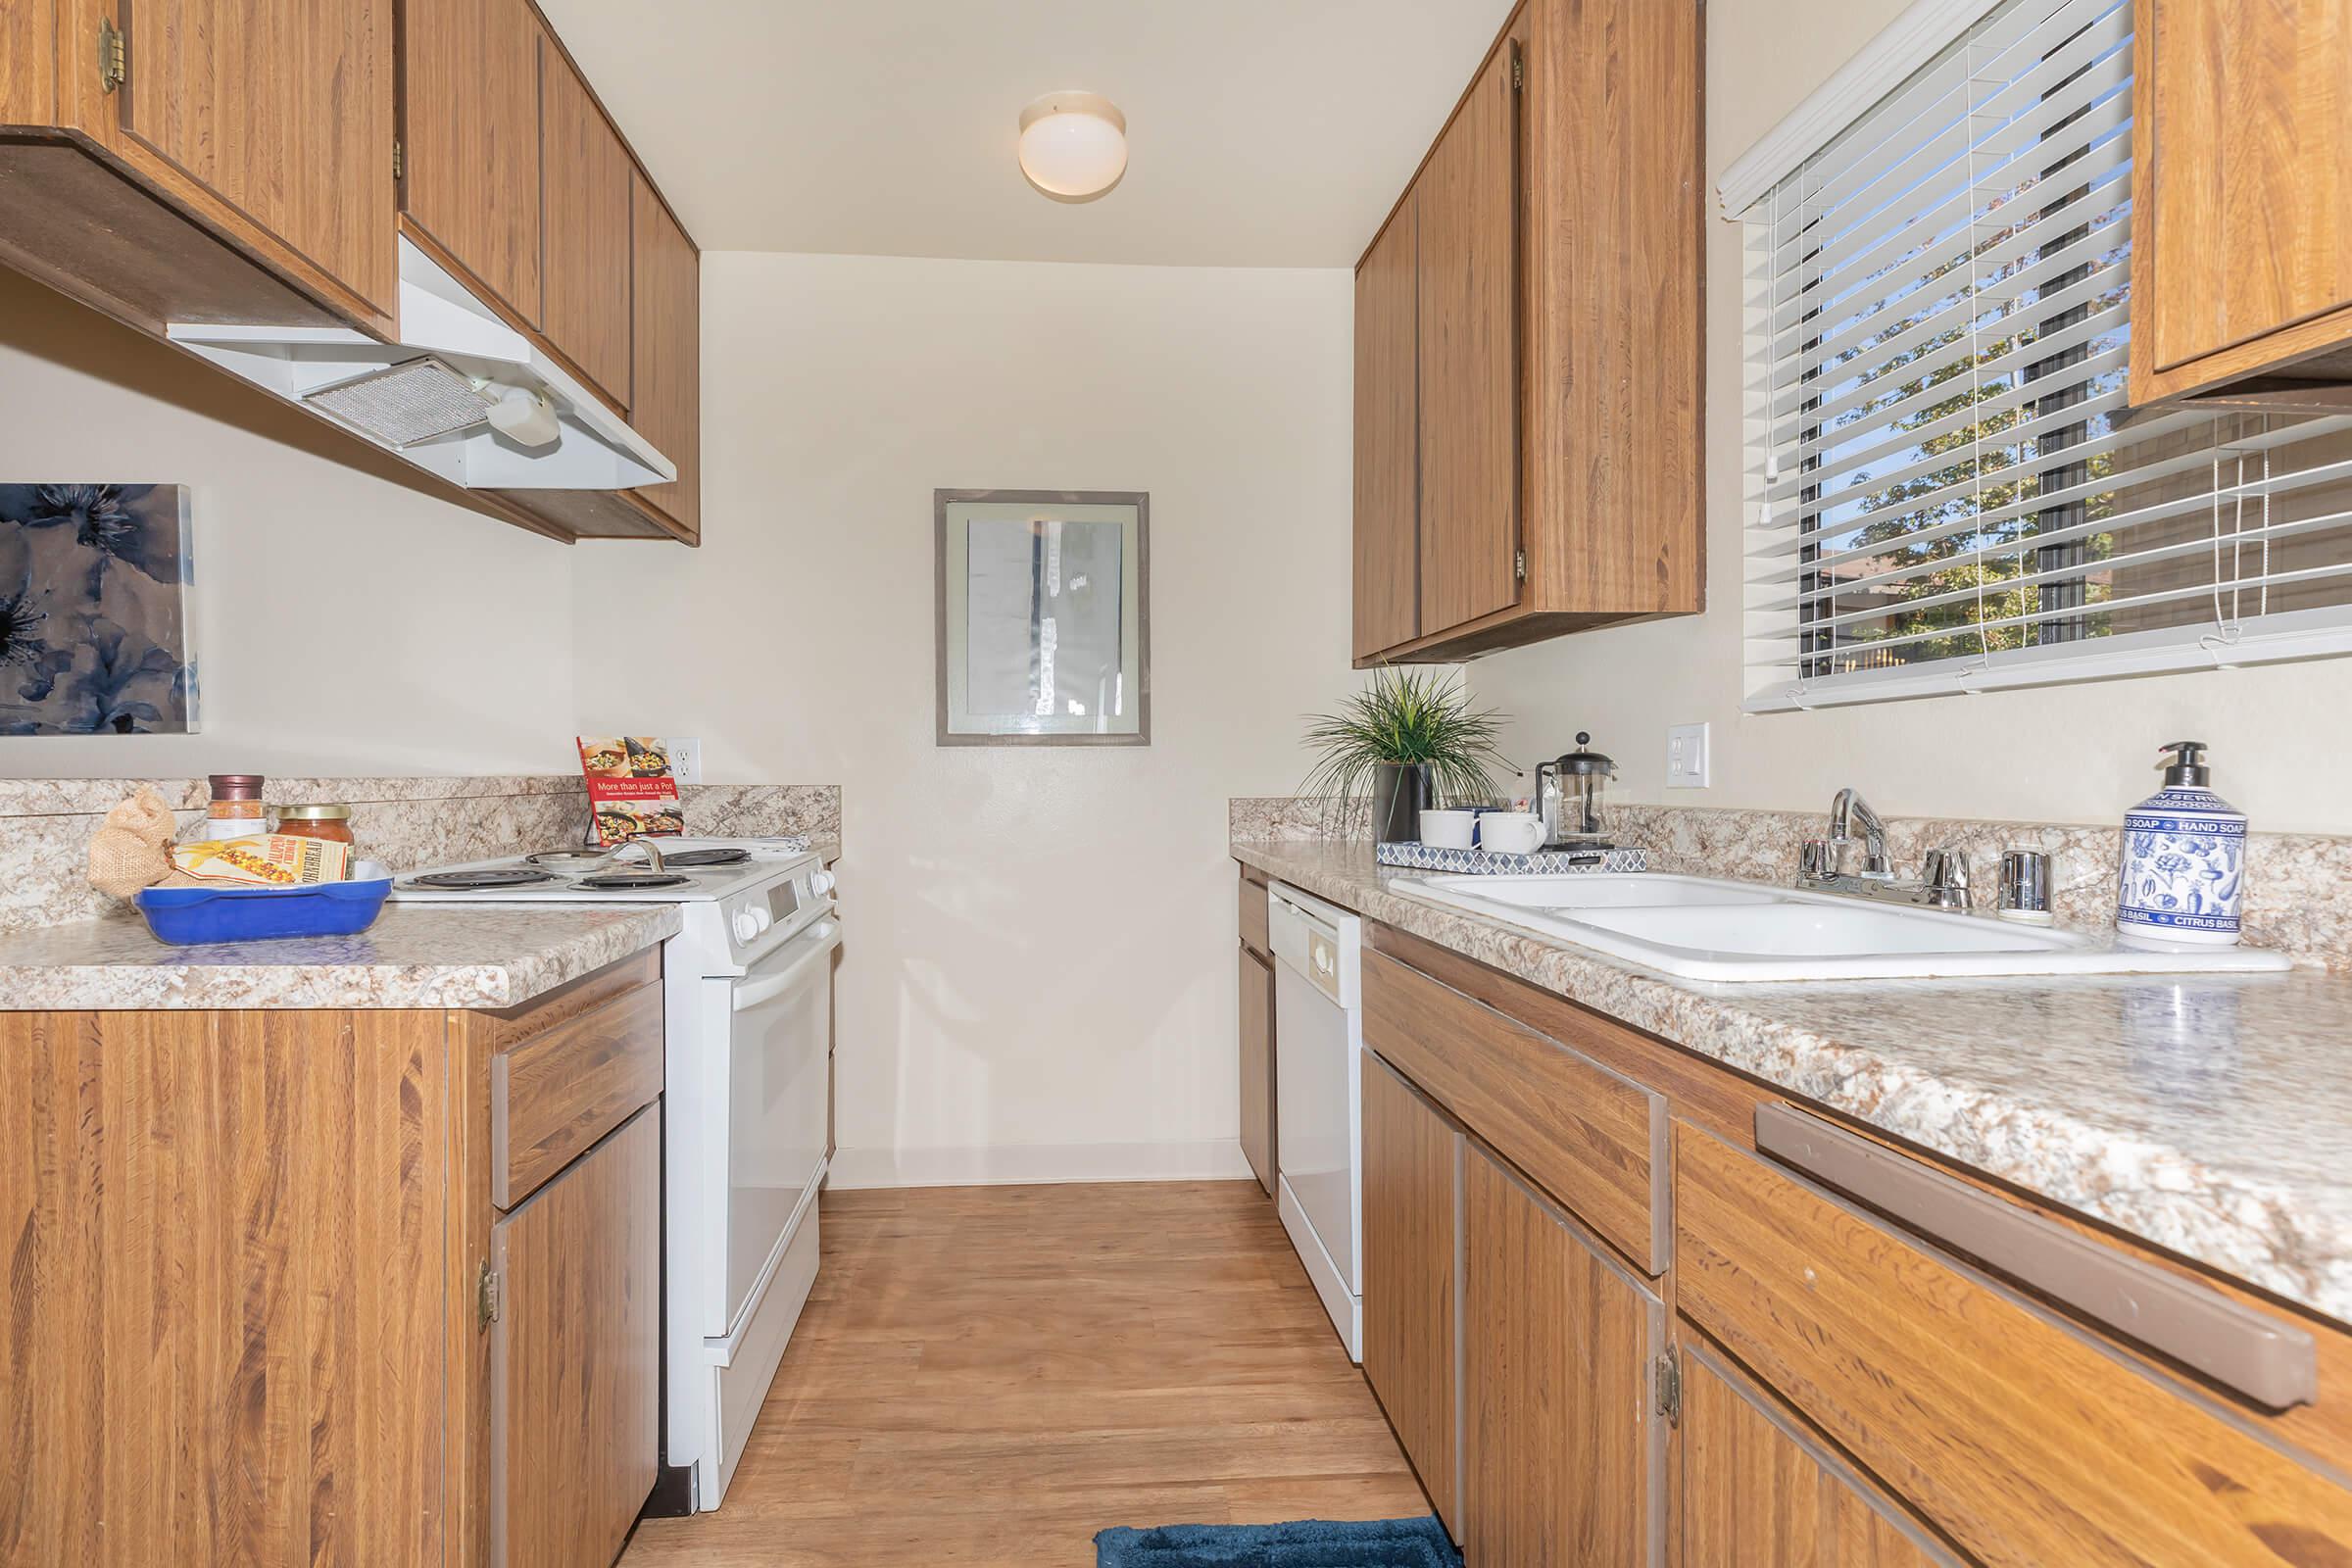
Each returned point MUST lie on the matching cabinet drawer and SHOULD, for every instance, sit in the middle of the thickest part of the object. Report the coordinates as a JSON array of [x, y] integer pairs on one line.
[[1255, 930], [557, 1093], [2022, 1439], [1594, 1139]]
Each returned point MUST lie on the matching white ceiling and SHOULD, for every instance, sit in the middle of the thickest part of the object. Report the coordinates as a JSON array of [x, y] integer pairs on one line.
[[1261, 132]]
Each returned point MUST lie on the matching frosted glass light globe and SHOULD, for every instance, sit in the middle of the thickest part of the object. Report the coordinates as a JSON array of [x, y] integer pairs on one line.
[[1073, 145]]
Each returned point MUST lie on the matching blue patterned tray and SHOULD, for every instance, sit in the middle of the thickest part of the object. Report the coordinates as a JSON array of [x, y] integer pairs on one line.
[[1490, 863]]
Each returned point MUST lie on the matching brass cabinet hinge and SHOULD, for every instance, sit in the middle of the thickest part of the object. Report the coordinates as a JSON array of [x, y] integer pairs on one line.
[[1519, 565], [1669, 1376], [485, 1296], [400, 161], [1518, 70], [113, 58]]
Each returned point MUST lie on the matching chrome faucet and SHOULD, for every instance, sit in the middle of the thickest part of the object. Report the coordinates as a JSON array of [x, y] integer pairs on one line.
[[1848, 809], [1942, 882]]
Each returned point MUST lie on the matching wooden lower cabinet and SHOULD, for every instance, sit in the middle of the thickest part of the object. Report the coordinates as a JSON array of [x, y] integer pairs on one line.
[[1564, 1459], [1845, 1389], [1758, 1491], [224, 1327], [575, 1357], [1412, 1163], [1257, 1067], [246, 1325], [2018, 1437]]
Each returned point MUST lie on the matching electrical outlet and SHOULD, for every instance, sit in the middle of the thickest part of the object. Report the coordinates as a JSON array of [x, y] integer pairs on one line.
[[686, 759], [1686, 757]]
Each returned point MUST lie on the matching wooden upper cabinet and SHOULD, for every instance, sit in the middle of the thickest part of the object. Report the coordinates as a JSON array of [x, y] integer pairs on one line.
[[2242, 196], [1564, 1457], [469, 132], [666, 399], [282, 114], [1468, 198], [587, 313], [28, 64], [1616, 297], [1388, 462], [1559, 283]]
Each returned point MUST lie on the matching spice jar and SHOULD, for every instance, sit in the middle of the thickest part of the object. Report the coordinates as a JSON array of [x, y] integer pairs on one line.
[[235, 811], [316, 822]]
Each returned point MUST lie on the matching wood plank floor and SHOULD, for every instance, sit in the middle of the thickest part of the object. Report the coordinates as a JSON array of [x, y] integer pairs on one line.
[[990, 1375]]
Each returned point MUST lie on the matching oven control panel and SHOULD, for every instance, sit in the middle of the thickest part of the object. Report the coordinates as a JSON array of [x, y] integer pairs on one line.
[[758, 920]]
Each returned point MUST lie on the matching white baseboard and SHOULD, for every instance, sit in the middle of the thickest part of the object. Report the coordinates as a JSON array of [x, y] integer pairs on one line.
[[1216, 1159]]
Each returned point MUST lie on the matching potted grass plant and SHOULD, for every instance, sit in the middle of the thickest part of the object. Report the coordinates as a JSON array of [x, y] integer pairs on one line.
[[1406, 741]]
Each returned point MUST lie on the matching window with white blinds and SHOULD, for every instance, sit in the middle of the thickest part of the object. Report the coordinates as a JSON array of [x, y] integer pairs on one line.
[[1948, 488]]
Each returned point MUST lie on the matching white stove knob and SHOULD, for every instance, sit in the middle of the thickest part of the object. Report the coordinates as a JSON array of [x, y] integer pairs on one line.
[[821, 883], [747, 924]]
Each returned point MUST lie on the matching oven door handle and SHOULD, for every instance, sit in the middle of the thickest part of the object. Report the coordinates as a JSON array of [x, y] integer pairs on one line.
[[753, 990]]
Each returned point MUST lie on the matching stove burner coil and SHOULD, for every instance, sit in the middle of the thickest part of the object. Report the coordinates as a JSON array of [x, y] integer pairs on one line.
[[478, 881], [614, 881], [707, 857]]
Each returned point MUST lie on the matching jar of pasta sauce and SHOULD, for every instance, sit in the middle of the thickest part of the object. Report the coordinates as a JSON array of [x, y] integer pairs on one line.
[[321, 821]]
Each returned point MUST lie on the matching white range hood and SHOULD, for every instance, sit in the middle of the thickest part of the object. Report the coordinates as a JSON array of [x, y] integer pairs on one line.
[[592, 449]]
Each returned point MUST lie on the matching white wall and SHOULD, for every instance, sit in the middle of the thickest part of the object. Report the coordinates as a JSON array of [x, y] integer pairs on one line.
[[2066, 753], [1041, 971], [346, 622]]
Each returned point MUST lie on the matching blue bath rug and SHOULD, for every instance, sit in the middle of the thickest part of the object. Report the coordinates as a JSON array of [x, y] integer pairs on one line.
[[1307, 1544]]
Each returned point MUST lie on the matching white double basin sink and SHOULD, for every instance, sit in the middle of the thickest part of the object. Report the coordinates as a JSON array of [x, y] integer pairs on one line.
[[1700, 928]]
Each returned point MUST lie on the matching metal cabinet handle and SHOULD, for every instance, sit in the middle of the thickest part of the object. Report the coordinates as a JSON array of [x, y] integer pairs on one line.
[[2270, 1362]]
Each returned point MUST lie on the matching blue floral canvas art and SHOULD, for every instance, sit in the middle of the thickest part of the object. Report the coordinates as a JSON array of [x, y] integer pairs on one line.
[[94, 611]]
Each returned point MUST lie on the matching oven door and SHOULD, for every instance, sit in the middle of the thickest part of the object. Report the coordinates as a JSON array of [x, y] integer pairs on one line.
[[780, 1029]]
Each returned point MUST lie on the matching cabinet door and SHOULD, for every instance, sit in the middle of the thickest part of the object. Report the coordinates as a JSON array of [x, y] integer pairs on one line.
[[1412, 1173], [1469, 337], [1257, 1067], [2245, 149], [575, 1357], [1388, 462], [666, 391], [586, 314], [1563, 1456], [284, 112], [470, 115], [1760, 1492]]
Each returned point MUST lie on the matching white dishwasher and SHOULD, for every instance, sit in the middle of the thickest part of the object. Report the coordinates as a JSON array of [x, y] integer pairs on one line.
[[1318, 1087]]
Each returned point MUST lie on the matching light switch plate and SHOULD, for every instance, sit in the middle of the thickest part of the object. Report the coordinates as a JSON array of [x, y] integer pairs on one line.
[[1687, 751], [686, 759]]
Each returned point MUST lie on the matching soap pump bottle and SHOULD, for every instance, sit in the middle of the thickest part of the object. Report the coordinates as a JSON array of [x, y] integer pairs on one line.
[[2184, 861]]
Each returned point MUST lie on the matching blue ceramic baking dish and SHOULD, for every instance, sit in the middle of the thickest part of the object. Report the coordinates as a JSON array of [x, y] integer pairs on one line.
[[190, 916]]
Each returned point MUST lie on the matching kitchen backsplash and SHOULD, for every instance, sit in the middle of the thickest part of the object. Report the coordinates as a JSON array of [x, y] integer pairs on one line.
[[45, 824], [2295, 882]]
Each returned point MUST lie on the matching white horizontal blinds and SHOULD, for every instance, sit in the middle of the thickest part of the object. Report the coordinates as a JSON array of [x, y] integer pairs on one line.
[[1945, 470]]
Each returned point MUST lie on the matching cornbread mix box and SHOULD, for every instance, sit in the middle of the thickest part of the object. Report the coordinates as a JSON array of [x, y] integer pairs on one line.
[[264, 860]]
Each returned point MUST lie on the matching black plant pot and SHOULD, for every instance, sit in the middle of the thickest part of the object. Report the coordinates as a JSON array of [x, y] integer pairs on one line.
[[1399, 793]]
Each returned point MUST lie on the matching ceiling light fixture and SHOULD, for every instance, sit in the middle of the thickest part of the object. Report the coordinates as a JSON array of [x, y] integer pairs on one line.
[[1073, 145]]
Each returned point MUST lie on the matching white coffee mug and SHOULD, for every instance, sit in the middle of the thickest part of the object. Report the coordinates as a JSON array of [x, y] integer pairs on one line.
[[1510, 832], [1448, 830]]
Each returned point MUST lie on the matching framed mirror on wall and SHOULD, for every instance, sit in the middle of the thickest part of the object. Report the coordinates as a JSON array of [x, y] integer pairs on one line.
[[1044, 617]]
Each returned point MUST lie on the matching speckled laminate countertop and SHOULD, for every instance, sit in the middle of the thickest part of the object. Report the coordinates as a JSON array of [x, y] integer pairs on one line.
[[416, 955], [2211, 1115]]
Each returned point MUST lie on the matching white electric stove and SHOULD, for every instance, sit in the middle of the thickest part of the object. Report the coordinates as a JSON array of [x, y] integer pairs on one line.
[[748, 993]]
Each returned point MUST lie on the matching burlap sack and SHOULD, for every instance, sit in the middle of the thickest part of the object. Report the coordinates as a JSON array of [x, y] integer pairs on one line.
[[132, 848]]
